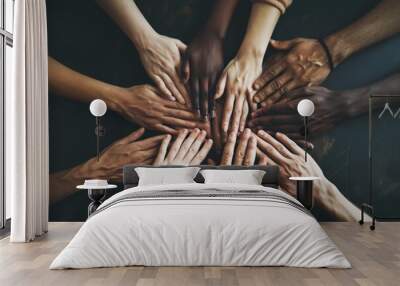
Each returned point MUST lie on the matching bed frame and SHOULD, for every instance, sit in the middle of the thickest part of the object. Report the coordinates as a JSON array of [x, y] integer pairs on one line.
[[271, 177]]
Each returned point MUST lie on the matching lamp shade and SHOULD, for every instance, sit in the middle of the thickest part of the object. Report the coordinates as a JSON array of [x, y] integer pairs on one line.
[[305, 107], [98, 107]]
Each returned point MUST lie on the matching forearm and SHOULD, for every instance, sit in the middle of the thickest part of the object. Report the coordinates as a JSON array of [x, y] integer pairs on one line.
[[262, 22], [129, 18], [220, 17], [357, 99], [62, 185], [73, 85], [380, 23], [329, 198]]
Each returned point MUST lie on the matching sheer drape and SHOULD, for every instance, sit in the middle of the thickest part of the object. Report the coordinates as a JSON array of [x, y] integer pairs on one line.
[[27, 168]]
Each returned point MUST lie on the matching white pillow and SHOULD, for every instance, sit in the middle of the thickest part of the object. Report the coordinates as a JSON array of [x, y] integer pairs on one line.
[[164, 176], [247, 177]]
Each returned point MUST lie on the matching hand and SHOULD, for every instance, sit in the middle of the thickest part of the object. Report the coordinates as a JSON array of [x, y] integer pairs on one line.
[[285, 153], [236, 81], [161, 58], [304, 63], [127, 150], [144, 105], [330, 108], [189, 148], [203, 63], [244, 154]]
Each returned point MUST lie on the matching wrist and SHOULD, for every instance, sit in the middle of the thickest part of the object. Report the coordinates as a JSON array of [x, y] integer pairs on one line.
[[250, 54], [338, 48], [356, 101], [145, 38]]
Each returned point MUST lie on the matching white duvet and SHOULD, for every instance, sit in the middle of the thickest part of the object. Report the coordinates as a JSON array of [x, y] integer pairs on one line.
[[204, 231]]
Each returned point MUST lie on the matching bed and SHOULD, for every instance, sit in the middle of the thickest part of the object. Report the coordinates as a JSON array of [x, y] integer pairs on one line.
[[198, 224]]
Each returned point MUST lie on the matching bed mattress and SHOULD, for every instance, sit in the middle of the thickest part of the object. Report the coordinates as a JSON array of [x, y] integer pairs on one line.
[[201, 225]]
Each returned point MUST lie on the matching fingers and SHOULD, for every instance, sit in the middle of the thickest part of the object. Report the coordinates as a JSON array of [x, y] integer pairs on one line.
[[176, 145], [181, 114], [284, 45], [221, 84], [276, 86], [226, 114], [177, 122], [162, 151], [147, 143], [241, 148], [268, 74], [186, 145], [277, 108], [267, 121], [163, 88], [263, 160], [275, 143], [185, 70], [178, 88], [245, 113], [290, 144], [195, 92], [251, 151], [237, 114], [195, 147], [266, 147], [180, 45], [229, 148], [165, 129], [202, 154], [133, 136], [204, 88]]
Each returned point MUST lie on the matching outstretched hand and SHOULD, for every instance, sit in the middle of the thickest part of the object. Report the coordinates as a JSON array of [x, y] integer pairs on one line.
[[243, 153], [235, 82], [283, 116], [144, 105], [161, 58], [302, 62], [285, 153], [128, 150], [189, 148], [201, 67]]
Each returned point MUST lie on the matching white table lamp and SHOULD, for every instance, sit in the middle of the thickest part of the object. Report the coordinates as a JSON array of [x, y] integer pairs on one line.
[[98, 108], [305, 108]]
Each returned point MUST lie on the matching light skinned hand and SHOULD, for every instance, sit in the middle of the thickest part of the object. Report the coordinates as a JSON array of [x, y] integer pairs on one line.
[[236, 84], [128, 150], [285, 153], [303, 62], [144, 105], [243, 153], [161, 58], [189, 148]]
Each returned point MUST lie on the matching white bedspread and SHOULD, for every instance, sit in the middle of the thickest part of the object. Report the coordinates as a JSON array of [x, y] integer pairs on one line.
[[183, 231]]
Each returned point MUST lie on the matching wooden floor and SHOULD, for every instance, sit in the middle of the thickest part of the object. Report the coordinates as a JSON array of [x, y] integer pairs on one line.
[[375, 257]]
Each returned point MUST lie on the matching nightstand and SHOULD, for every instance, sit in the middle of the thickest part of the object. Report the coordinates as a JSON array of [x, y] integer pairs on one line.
[[97, 190], [305, 190]]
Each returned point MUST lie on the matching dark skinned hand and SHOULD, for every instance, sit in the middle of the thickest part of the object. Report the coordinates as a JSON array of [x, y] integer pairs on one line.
[[202, 65], [330, 108], [303, 62]]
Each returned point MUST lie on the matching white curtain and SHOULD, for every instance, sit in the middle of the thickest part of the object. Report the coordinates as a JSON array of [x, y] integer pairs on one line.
[[27, 168]]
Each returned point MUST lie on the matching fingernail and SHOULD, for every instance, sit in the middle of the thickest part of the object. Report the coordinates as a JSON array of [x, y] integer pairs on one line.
[[254, 114], [256, 99], [263, 104], [256, 86], [173, 98]]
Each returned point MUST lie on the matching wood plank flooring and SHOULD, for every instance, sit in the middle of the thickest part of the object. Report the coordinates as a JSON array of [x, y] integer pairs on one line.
[[375, 257]]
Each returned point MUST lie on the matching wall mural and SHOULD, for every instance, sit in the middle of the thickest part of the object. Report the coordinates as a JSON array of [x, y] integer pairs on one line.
[[187, 82]]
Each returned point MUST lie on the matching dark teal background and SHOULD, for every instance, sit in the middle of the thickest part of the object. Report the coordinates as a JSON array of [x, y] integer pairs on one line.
[[82, 37]]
